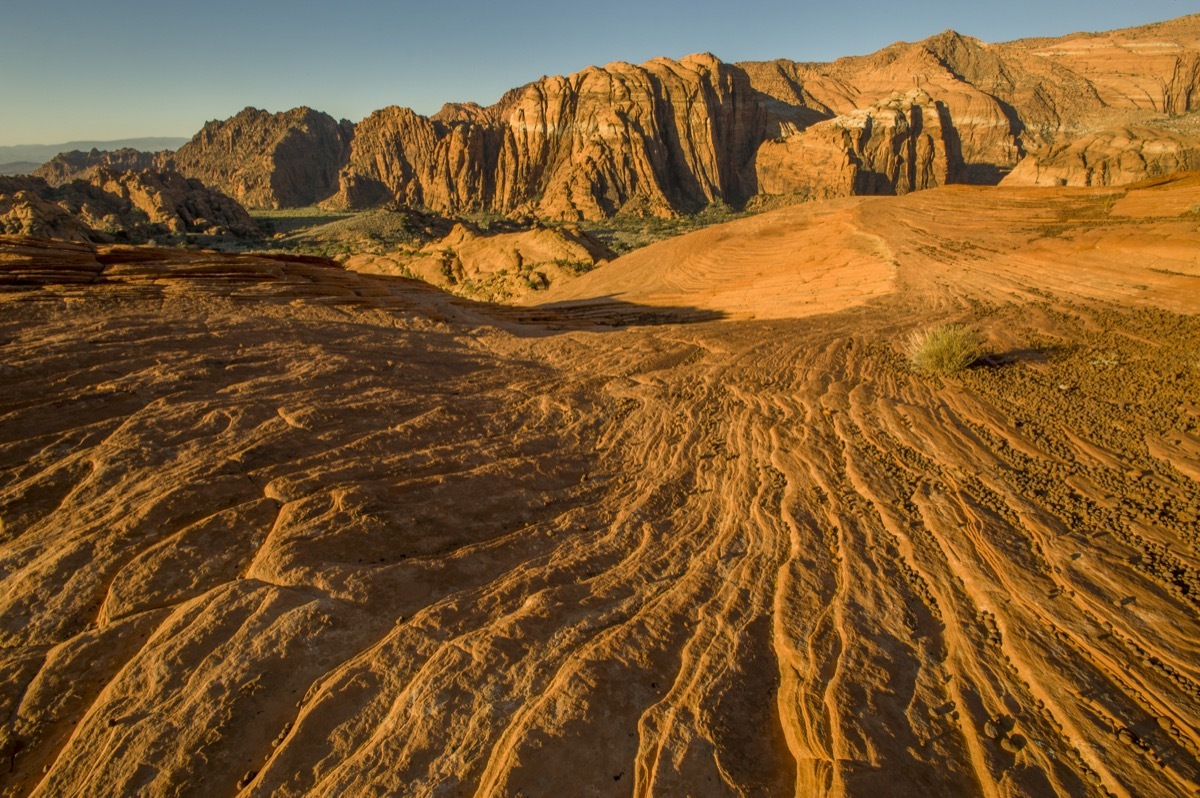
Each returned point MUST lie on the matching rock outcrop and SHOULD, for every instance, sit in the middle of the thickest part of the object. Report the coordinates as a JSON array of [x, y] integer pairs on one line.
[[23, 212], [1117, 156], [133, 205], [900, 145], [266, 160], [494, 266], [78, 165]]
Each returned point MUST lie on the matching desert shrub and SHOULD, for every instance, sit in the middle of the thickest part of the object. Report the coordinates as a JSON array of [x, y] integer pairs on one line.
[[944, 349]]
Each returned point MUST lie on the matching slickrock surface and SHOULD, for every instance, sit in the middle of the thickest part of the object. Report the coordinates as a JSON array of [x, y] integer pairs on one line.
[[274, 528], [133, 204], [824, 257]]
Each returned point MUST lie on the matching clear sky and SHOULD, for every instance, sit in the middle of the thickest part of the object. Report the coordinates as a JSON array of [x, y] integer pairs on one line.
[[109, 69]]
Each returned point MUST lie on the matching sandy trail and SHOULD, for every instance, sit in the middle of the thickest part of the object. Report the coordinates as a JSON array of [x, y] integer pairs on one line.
[[270, 528]]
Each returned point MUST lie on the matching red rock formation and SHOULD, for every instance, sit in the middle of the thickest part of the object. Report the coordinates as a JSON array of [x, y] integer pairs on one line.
[[267, 160], [903, 144], [134, 205], [77, 165], [24, 213], [1113, 157], [663, 137], [669, 137]]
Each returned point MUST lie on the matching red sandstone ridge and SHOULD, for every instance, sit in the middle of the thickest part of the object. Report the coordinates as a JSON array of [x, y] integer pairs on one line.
[[670, 137], [666, 136]]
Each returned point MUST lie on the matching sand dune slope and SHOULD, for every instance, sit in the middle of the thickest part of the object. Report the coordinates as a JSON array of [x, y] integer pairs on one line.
[[273, 528]]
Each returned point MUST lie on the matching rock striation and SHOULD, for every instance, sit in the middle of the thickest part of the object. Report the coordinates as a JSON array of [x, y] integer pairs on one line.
[[266, 160], [269, 527], [133, 205]]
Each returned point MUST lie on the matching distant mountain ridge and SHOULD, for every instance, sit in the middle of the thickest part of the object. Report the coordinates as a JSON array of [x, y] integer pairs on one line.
[[18, 167], [41, 153], [79, 165]]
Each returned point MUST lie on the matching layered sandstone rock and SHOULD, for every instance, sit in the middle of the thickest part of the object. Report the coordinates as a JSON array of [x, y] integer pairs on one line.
[[266, 160], [137, 205], [663, 137], [78, 165], [1118, 156], [670, 137], [392, 158], [1149, 68], [903, 144]]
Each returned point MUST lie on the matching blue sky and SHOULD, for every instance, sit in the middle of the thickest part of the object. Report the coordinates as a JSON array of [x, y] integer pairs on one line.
[[73, 70]]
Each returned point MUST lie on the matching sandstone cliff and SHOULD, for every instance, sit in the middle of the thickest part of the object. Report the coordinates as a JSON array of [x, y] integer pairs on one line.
[[663, 137], [131, 205], [670, 137], [1116, 156], [900, 145], [78, 165], [266, 160]]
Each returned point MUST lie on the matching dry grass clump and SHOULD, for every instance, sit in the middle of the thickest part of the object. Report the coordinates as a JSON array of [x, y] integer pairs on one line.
[[944, 349]]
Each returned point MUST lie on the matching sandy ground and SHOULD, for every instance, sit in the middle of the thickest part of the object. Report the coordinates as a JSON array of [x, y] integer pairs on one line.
[[272, 528]]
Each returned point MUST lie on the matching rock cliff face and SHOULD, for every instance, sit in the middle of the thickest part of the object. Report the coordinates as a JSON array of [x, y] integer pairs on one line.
[[1113, 157], [900, 145], [23, 212], [266, 160], [130, 205], [78, 165], [663, 137], [669, 137]]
